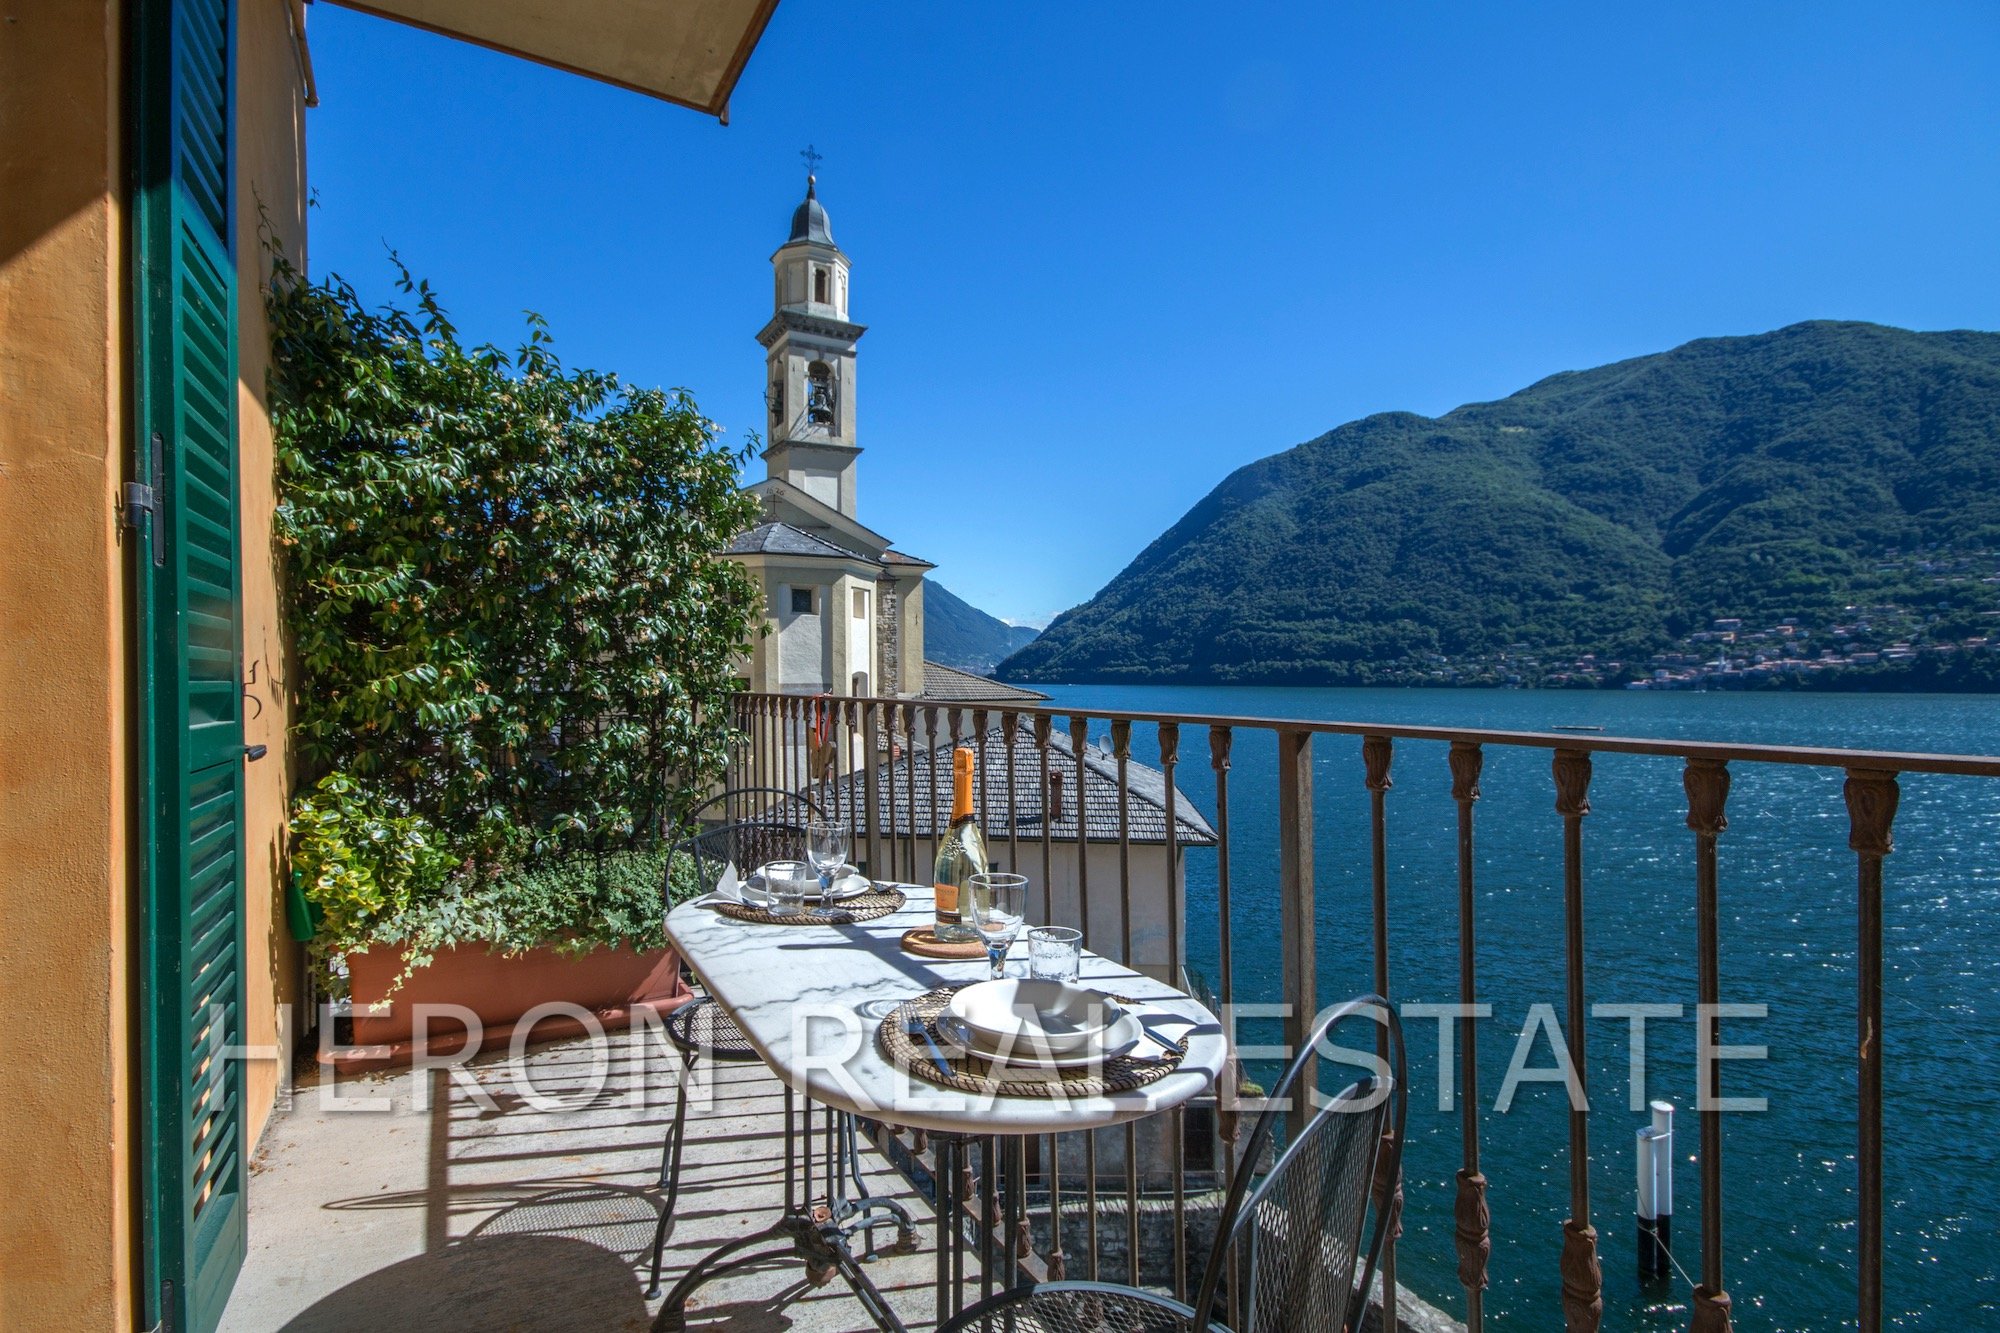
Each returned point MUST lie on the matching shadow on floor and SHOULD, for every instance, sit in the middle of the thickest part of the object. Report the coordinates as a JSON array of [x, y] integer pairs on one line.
[[524, 1283]]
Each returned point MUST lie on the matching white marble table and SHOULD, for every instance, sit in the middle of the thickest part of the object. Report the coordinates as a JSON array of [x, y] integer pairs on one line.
[[809, 998]]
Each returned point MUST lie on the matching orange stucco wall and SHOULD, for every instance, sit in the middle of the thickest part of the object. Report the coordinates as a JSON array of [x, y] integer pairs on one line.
[[270, 172], [68, 868]]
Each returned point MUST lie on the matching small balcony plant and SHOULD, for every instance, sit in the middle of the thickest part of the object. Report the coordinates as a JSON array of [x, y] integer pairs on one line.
[[511, 642]]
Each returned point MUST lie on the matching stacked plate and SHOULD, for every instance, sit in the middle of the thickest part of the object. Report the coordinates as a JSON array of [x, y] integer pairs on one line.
[[1046, 1024], [849, 883]]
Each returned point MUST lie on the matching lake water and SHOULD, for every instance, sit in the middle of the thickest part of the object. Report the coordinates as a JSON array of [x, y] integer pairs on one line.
[[1788, 911]]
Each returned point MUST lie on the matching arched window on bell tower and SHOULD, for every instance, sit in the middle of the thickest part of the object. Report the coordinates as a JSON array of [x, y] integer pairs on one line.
[[819, 395], [819, 285]]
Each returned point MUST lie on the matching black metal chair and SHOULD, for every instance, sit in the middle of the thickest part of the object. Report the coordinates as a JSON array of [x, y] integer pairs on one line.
[[770, 825], [1296, 1234]]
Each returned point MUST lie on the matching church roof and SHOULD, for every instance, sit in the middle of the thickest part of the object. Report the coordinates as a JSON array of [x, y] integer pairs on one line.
[[779, 538], [950, 685], [784, 539], [809, 219], [1145, 808]]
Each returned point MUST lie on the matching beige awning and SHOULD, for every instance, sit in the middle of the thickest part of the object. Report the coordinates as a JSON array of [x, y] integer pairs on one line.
[[687, 51]]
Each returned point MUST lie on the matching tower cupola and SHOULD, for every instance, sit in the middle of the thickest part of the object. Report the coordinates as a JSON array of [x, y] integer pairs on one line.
[[809, 361], [809, 220]]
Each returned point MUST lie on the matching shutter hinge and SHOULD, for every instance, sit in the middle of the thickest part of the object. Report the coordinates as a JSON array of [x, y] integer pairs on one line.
[[166, 1324], [144, 497], [138, 499]]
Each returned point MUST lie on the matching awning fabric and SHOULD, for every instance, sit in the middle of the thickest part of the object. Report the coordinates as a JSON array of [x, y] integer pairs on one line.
[[690, 52]]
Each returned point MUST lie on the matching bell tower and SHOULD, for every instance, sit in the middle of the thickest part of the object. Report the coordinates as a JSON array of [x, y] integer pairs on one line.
[[809, 363]]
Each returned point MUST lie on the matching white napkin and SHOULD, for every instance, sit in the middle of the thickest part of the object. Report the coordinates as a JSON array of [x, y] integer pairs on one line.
[[732, 889]]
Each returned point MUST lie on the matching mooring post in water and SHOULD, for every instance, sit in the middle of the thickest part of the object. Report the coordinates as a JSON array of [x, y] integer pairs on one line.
[[1663, 1186], [1649, 1228]]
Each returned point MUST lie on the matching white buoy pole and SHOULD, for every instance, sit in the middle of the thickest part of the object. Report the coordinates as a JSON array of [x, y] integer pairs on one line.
[[1663, 1183], [1649, 1209]]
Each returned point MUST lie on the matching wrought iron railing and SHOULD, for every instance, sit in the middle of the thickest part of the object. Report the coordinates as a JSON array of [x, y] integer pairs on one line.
[[853, 745]]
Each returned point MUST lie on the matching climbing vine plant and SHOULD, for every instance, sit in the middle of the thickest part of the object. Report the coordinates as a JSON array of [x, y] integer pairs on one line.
[[512, 640]]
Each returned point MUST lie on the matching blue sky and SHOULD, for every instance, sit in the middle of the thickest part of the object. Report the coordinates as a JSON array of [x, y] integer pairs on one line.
[[1108, 254]]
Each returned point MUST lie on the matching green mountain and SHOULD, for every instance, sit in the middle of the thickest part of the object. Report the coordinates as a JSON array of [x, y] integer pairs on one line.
[[960, 635], [1611, 511]]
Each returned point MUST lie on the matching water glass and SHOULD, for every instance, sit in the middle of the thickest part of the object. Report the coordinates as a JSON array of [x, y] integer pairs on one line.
[[787, 882], [999, 906], [826, 849], [1054, 953]]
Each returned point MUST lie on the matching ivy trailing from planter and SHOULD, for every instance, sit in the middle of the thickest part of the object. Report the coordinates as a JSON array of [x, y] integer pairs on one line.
[[513, 644]]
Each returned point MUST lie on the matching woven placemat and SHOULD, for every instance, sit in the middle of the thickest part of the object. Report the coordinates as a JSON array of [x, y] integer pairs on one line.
[[878, 901], [924, 943], [971, 1073]]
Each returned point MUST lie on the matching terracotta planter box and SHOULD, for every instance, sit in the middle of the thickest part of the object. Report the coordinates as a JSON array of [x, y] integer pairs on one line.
[[612, 984]]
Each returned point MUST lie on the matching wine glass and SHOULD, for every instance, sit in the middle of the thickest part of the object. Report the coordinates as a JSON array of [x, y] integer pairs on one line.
[[826, 849], [999, 906]]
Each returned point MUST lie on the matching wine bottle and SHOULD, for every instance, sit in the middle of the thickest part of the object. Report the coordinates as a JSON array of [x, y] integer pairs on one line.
[[961, 856]]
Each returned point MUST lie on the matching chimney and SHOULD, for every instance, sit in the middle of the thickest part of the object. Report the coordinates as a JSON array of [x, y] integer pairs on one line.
[[1055, 796]]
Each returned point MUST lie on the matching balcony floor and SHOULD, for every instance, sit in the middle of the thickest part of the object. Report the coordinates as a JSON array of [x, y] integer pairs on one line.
[[490, 1213]]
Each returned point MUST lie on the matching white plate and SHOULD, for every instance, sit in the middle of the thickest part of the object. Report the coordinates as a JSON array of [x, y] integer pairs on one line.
[[1119, 1038], [1055, 1016], [850, 883]]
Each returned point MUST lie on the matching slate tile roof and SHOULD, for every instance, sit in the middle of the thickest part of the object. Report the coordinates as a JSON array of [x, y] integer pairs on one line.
[[1146, 804], [784, 539], [950, 685]]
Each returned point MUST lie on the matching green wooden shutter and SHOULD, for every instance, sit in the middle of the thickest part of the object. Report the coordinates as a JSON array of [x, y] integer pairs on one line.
[[191, 654]]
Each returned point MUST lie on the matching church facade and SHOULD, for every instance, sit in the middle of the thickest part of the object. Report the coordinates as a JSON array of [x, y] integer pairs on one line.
[[844, 610]]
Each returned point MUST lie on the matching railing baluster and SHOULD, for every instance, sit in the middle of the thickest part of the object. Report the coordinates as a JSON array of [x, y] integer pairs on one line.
[[1297, 919], [1872, 796], [1707, 785], [989, 1215], [978, 739], [1121, 750], [1376, 754], [1170, 754], [1044, 728], [783, 753], [1226, 1121], [767, 746], [913, 744], [1020, 1247], [1582, 1277], [955, 721], [879, 757], [931, 757], [1010, 725], [1472, 1221], [845, 776], [871, 749], [1057, 1265], [787, 760], [1079, 737]]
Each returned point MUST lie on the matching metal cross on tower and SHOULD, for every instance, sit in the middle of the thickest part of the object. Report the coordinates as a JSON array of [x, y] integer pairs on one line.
[[813, 158]]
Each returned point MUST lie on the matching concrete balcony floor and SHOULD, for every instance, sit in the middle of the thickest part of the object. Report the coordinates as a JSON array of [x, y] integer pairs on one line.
[[463, 1205]]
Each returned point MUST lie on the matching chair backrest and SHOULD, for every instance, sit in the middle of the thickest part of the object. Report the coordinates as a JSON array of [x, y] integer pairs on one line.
[[745, 846], [1297, 1234], [757, 824], [752, 805]]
